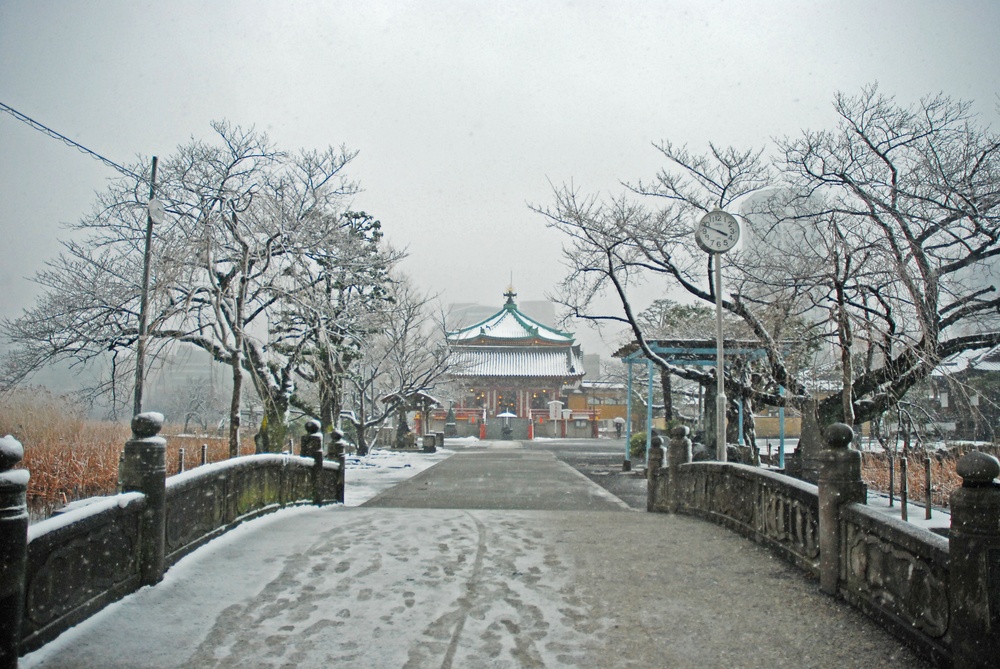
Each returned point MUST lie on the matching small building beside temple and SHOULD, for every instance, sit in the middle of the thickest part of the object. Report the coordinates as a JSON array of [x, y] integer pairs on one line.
[[512, 377]]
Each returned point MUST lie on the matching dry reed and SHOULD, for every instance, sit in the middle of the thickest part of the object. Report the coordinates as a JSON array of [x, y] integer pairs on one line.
[[944, 480], [71, 457]]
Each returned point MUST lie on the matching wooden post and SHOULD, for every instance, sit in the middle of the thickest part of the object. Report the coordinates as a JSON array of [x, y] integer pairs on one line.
[[839, 483], [144, 469], [927, 487], [974, 563], [892, 479], [13, 548], [904, 490]]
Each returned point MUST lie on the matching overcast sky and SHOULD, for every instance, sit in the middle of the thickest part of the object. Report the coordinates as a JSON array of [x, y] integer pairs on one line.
[[463, 112]]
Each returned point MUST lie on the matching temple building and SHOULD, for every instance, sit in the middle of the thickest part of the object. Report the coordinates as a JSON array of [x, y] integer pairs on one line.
[[509, 369]]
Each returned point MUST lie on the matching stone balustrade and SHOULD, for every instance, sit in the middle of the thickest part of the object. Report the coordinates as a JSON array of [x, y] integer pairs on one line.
[[940, 595], [62, 570]]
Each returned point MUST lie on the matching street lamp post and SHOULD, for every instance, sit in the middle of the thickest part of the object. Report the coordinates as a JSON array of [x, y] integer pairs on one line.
[[154, 214]]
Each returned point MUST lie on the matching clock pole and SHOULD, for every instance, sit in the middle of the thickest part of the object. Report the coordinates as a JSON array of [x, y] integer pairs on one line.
[[720, 393], [717, 233]]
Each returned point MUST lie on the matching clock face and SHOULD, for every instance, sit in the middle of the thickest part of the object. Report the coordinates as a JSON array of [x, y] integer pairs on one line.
[[717, 232]]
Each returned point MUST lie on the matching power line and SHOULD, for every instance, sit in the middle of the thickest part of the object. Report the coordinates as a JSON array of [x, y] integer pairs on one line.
[[66, 140]]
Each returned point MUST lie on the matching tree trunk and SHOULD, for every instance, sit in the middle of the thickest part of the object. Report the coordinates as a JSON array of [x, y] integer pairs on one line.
[[668, 404], [234, 407], [237, 357], [847, 363], [329, 394], [273, 427], [708, 413], [327, 409], [750, 431], [733, 421], [273, 432], [360, 439], [402, 429]]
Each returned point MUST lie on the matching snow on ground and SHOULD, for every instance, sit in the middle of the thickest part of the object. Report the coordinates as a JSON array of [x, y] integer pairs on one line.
[[329, 586], [365, 477], [368, 475], [416, 572], [915, 513]]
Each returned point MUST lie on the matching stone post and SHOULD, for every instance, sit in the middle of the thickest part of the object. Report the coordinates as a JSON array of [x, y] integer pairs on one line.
[[679, 454], [654, 471], [656, 454], [144, 469], [974, 563], [337, 452], [839, 483], [13, 548], [312, 447]]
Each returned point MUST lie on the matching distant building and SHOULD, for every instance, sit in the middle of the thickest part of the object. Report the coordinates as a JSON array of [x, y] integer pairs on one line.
[[509, 369], [965, 396], [605, 399]]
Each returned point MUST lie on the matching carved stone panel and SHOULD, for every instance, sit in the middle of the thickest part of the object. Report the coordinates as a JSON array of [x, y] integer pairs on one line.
[[762, 506], [789, 522], [897, 581], [195, 511], [71, 568]]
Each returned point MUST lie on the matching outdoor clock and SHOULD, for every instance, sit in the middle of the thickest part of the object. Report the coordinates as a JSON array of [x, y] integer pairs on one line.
[[717, 232]]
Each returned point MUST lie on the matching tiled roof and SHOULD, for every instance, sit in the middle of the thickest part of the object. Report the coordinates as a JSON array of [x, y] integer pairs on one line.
[[490, 361], [511, 325], [985, 361]]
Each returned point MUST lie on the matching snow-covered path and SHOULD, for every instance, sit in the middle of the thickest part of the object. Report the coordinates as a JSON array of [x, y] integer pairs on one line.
[[374, 587], [369, 475], [349, 587]]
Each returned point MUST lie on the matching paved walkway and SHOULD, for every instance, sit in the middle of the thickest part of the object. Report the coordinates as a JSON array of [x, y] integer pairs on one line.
[[498, 558]]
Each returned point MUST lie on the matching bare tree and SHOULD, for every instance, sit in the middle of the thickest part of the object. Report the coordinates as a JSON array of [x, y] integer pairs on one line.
[[877, 237], [408, 355], [241, 213], [343, 298]]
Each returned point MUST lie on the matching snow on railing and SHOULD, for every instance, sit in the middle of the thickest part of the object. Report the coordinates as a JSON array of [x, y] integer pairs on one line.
[[66, 568]]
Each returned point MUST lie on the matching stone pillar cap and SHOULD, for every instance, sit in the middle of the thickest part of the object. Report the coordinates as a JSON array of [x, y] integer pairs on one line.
[[838, 435], [147, 424], [977, 468], [11, 452]]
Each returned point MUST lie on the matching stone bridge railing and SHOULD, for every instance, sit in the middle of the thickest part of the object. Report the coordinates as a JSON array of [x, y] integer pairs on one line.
[[940, 595], [60, 571]]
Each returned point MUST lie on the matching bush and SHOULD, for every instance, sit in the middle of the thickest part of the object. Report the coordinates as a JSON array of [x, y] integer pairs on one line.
[[637, 445], [349, 431]]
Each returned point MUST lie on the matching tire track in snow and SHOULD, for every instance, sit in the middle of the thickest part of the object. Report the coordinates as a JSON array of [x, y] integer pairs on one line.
[[466, 602]]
